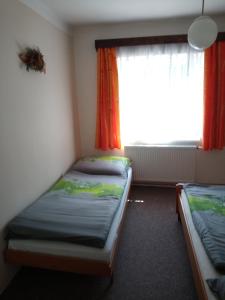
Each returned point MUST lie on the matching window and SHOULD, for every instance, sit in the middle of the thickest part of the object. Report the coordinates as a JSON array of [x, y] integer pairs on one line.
[[161, 94]]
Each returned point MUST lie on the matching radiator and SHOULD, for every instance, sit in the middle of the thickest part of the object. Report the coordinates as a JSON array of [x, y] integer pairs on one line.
[[162, 164]]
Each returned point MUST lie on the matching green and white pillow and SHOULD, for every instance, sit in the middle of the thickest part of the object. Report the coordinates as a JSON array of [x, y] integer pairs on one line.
[[103, 165]]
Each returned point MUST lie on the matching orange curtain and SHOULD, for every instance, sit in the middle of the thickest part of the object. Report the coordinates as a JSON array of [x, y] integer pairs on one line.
[[214, 97], [108, 121]]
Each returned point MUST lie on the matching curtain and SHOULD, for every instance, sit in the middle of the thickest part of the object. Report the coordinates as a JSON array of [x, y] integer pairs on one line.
[[108, 119], [214, 97], [161, 94]]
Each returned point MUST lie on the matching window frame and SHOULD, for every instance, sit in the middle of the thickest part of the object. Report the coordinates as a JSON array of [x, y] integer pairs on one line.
[[149, 40]]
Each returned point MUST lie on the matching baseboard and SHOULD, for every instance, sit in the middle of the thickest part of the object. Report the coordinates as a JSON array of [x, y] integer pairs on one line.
[[154, 183]]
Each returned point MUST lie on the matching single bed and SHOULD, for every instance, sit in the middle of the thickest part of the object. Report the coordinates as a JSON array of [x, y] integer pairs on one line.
[[202, 266], [73, 257]]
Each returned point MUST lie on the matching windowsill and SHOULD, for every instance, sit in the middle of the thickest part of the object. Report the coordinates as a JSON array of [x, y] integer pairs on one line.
[[164, 146]]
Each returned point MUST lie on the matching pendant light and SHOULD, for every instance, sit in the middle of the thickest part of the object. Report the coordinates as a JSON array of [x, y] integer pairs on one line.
[[202, 32]]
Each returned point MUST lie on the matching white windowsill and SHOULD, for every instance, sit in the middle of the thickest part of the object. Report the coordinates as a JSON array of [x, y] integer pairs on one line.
[[164, 146]]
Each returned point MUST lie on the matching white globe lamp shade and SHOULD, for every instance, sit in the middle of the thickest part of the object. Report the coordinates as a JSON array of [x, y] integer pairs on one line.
[[202, 33]]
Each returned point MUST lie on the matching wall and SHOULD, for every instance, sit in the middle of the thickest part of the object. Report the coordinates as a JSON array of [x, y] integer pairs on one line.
[[37, 120], [207, 167]]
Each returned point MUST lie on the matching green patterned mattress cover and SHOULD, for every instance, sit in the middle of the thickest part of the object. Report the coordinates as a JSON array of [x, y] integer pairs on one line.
[[203, 198], [79, 208], [74, 186], [207, 206]]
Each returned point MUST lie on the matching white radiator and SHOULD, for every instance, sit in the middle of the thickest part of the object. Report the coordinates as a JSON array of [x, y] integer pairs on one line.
[[162, 164]]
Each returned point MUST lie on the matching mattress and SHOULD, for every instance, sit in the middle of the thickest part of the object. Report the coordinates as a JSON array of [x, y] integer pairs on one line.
[[77, 251], [206, 203], [206, 267], [79, 209]]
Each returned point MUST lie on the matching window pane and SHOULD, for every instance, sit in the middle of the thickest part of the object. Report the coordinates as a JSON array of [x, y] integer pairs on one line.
[[161, 94]]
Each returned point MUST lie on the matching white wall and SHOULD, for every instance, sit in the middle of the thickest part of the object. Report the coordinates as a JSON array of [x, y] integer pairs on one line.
[[208, 166], [37, 123]]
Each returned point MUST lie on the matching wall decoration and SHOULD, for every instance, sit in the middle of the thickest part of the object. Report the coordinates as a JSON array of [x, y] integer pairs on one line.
[[33, 59]]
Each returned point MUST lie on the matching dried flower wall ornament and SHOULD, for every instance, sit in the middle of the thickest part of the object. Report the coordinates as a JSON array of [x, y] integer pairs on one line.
[[33, 59]]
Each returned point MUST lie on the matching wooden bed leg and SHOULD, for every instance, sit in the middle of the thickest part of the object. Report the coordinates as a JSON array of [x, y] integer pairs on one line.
[[111, 280], [108, 287], [178, 193]]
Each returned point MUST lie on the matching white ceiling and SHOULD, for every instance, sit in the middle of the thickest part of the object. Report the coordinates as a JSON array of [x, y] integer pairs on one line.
[[80, 12]]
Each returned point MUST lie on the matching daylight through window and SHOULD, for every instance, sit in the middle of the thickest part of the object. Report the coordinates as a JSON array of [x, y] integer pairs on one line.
[[161, 94]]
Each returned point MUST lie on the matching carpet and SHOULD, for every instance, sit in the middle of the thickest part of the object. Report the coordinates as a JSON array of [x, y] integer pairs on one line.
[[152, 261]]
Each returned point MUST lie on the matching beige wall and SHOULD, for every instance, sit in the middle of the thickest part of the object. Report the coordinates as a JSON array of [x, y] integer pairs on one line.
[[209, 167], [37, 136]]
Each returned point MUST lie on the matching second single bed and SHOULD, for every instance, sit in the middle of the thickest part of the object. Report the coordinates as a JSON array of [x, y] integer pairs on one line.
[[202, 265]]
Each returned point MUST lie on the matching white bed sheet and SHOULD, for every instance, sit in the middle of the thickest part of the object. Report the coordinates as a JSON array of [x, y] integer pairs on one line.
[[206, 267], [73, 250]]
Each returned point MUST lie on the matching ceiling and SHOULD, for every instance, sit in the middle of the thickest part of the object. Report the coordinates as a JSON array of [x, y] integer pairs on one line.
[[80, 12]]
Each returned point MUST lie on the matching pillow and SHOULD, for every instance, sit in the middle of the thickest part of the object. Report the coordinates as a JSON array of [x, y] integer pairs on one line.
[[103, 165], [217, 286]]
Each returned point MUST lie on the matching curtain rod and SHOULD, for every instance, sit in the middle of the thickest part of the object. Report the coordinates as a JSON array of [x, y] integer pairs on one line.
[[147, 40]]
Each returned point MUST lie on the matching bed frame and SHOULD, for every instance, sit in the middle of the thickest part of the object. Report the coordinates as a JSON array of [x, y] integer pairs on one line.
[[198, 276], [68, 264]]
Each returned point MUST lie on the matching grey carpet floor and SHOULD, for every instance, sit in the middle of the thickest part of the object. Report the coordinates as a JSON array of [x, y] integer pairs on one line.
[[152, 261]]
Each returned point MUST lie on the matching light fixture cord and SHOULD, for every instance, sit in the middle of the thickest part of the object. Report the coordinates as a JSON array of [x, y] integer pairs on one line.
[[203, 2]]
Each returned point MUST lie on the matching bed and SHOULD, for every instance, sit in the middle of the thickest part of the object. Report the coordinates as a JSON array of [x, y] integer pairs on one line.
[[57, 251], [202, 266]]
